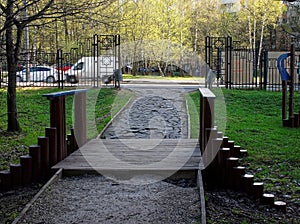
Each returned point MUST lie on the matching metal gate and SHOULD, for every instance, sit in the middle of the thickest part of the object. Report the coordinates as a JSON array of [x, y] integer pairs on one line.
[[239, 67], [97, 64], [218, 57], [107, 52]]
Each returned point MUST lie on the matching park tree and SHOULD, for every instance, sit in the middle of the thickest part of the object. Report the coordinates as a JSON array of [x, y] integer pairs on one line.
[[206, 19], [16, 16], [291, 25], [152, 23], [259, 14], [136, 27]]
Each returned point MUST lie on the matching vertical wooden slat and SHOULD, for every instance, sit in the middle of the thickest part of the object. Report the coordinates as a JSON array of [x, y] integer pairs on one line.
[[16, 175], [80, 118], [206, 115], [35, 153], [51, 133], [43, 142], [26, 162], [57, 120], [5, 180]]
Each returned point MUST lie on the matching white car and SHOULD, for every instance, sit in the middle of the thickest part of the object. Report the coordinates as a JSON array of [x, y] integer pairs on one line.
[[38, 74]]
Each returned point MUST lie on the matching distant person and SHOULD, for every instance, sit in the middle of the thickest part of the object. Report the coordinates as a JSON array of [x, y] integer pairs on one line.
[[211, 77]]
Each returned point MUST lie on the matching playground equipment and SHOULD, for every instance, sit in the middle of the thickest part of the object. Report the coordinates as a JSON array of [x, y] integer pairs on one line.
[[293, 119]]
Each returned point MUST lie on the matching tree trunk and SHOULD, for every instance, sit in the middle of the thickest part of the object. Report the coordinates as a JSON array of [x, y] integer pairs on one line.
[[12, 115], [261, 37]]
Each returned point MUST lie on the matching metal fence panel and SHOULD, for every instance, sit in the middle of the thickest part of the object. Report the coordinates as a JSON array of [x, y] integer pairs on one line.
[[91, 64]]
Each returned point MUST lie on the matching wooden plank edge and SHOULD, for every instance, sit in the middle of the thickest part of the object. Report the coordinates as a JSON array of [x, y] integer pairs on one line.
[[202, 197], [191, 173], [54, 178], [99, 170]]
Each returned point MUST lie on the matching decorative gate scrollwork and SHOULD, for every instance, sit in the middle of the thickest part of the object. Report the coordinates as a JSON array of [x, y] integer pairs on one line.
[[218, 57], [106, 48]]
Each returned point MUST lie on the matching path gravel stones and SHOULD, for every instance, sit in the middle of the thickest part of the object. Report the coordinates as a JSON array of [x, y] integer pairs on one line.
[[94, 199], [155, 113]]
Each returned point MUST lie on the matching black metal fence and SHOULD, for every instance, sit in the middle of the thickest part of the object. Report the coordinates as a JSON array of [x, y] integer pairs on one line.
[[250, 71], [88, 65], [246, 68], [94, 64]]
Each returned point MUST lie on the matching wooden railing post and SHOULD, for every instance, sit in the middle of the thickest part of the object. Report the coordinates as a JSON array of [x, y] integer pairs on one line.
[[80, 118], [58, 119], [207, 99]]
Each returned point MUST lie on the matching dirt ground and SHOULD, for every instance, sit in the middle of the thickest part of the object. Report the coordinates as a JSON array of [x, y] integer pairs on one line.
[[222, 206]]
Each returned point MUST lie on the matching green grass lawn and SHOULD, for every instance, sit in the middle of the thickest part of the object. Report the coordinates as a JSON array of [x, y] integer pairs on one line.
[[253, 121], [158, 77], [33, 113]]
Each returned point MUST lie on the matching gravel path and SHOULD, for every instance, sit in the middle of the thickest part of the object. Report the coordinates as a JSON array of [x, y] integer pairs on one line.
[[94, 199], [155, 113]]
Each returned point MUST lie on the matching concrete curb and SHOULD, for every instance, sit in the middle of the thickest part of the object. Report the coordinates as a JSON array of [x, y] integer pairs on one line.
[[188, 119], [54, 178]]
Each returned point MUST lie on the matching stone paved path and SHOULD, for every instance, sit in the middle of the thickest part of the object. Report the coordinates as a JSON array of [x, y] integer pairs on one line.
[[155, 113]]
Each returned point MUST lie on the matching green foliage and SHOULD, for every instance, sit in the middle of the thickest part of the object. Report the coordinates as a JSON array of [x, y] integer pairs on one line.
[[257, 15], [254, 122]]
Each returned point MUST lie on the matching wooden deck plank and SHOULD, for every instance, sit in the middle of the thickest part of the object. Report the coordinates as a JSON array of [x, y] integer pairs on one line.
[[126, 154]]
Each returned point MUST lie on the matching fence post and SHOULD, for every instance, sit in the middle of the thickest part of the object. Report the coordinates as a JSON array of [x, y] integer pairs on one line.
[[59, 62], [228, 60], [266, 69], [80, 118], [207, 55], [284, 100], [5, 180], [291, 86], [16, 175]]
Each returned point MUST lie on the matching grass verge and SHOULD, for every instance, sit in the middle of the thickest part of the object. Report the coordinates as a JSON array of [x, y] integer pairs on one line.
[[158, 77], [254, 122], [33, 112]]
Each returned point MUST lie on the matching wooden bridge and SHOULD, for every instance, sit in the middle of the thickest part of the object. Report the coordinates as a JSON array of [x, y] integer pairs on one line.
[[124, 155]]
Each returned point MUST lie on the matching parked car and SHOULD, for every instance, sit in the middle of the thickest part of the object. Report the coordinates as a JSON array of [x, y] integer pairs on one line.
[[38, 74], [65, 67], [152, 69]]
